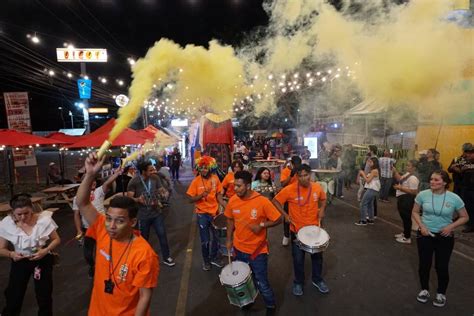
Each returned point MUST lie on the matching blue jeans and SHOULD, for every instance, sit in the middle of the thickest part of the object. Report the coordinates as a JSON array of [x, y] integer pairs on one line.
[[298, 263], [206, 229], [386, 184], [158, 224], [259, 268], [367, 204]]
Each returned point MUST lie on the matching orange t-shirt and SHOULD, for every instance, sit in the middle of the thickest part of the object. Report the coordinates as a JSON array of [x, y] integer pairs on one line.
[[208, 204], [143, 270], [303, 207], [254, 210], [228, 183], [286, 173]]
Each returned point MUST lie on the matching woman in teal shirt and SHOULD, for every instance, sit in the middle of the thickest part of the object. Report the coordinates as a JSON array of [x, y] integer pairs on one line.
[[435, 234]]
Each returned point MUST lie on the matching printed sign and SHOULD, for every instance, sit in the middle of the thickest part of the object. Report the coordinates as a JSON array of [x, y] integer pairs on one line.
[[18, 117]]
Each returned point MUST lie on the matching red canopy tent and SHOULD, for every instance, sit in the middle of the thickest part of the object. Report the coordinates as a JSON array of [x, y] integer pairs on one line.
[[9, 137], [68, 139], [127, 137]]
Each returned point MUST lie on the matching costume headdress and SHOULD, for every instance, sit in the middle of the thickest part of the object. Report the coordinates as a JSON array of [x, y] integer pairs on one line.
[[206, 162]]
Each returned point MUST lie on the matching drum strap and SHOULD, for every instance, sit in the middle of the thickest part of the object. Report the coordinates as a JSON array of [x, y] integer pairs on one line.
[[257, 251]]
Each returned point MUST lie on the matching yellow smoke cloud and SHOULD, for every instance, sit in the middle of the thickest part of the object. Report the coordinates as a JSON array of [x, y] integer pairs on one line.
[[401, 54], [213, 76]]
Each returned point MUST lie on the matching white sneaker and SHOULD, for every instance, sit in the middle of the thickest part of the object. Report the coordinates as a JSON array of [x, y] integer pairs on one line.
[[423, 296], [403, 240], [440, 300], [285, 241], [399, 235]]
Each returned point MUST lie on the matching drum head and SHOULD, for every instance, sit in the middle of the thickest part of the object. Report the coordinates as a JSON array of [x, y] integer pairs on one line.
[[235, 273], [331, 187], [324, 186], [220, 221], [313, 236]]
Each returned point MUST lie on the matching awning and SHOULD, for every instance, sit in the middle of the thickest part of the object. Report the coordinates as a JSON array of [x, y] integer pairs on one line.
[[9, 137], [67, 139], [367, 107], [127, 137]]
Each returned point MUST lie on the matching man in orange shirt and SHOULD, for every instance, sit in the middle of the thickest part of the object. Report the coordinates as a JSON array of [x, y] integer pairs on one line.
[[250, 213], [206, 193], [126, 267], [228, 182], [307, 203], [287, 177]]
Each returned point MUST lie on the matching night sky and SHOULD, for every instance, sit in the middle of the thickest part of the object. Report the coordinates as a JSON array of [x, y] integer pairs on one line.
[[125, 28]]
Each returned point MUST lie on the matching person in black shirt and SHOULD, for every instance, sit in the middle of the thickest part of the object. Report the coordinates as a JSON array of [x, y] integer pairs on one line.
[[467, 186], [122, 180], [175, 163], [456, 169]]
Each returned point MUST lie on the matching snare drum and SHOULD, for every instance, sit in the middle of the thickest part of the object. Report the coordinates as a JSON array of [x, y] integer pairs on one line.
[[237, 280], [312, 239], [220, 225]]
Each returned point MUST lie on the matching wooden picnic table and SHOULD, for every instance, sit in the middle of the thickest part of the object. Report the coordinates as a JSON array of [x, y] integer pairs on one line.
[[5, 207], [61, 194]]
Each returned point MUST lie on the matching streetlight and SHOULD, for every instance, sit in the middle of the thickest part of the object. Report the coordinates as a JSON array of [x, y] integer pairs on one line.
[[72, 120]]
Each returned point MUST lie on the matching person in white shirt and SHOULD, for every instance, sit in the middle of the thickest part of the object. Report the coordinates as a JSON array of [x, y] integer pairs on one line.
[[33, 236], [407, 189], [97, 197], [386, 174], [372, 186]]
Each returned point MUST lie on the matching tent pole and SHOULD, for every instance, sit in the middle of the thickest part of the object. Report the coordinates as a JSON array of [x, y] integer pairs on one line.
[[10, 172]]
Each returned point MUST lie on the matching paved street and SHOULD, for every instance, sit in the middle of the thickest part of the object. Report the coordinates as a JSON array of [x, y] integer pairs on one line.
[[367, 271]]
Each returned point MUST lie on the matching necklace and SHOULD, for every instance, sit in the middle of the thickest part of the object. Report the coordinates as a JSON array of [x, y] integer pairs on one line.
[[124, 267], [442, 205]]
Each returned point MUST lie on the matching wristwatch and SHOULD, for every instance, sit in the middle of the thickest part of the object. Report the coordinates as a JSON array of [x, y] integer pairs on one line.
[[262, 224]]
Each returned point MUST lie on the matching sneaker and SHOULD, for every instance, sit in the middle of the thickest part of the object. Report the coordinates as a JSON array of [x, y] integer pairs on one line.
[[285, 241], [403, 240], [423, 296], [206, 266], [321, 286], [440, 300], [169, 262], [217, 262], [297, 289], [399, 235], [361, 223], [370, 221]]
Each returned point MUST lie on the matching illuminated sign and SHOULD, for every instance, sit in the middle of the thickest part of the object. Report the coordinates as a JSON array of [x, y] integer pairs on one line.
[[98, 110], [81, 55], [85, 87], [312, 144], [178, 122]]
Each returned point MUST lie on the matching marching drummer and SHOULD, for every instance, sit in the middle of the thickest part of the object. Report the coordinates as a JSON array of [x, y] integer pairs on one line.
[[307, 203], [250, 214], [206, 193], [288, 176]]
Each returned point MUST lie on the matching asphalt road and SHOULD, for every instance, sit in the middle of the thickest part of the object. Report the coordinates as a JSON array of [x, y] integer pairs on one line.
[[368, 273]]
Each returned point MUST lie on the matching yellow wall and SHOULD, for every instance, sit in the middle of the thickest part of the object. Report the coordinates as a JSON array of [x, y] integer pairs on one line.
[[450, 140], [460, 4]]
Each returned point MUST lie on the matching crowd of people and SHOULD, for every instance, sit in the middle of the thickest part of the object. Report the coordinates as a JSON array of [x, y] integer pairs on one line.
[[125, 267]]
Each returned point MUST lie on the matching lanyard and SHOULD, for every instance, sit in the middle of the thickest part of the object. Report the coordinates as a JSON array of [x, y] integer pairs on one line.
[[307, 197], [111, 262], [147, 188]]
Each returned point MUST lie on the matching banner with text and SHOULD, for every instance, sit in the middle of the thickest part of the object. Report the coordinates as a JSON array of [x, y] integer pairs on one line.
[[18, 117]]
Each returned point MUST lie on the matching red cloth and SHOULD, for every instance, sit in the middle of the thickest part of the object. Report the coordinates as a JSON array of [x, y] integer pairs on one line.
[[217, 133]]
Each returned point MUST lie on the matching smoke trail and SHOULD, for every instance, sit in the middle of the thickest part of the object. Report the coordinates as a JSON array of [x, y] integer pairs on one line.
[[212, 77]]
